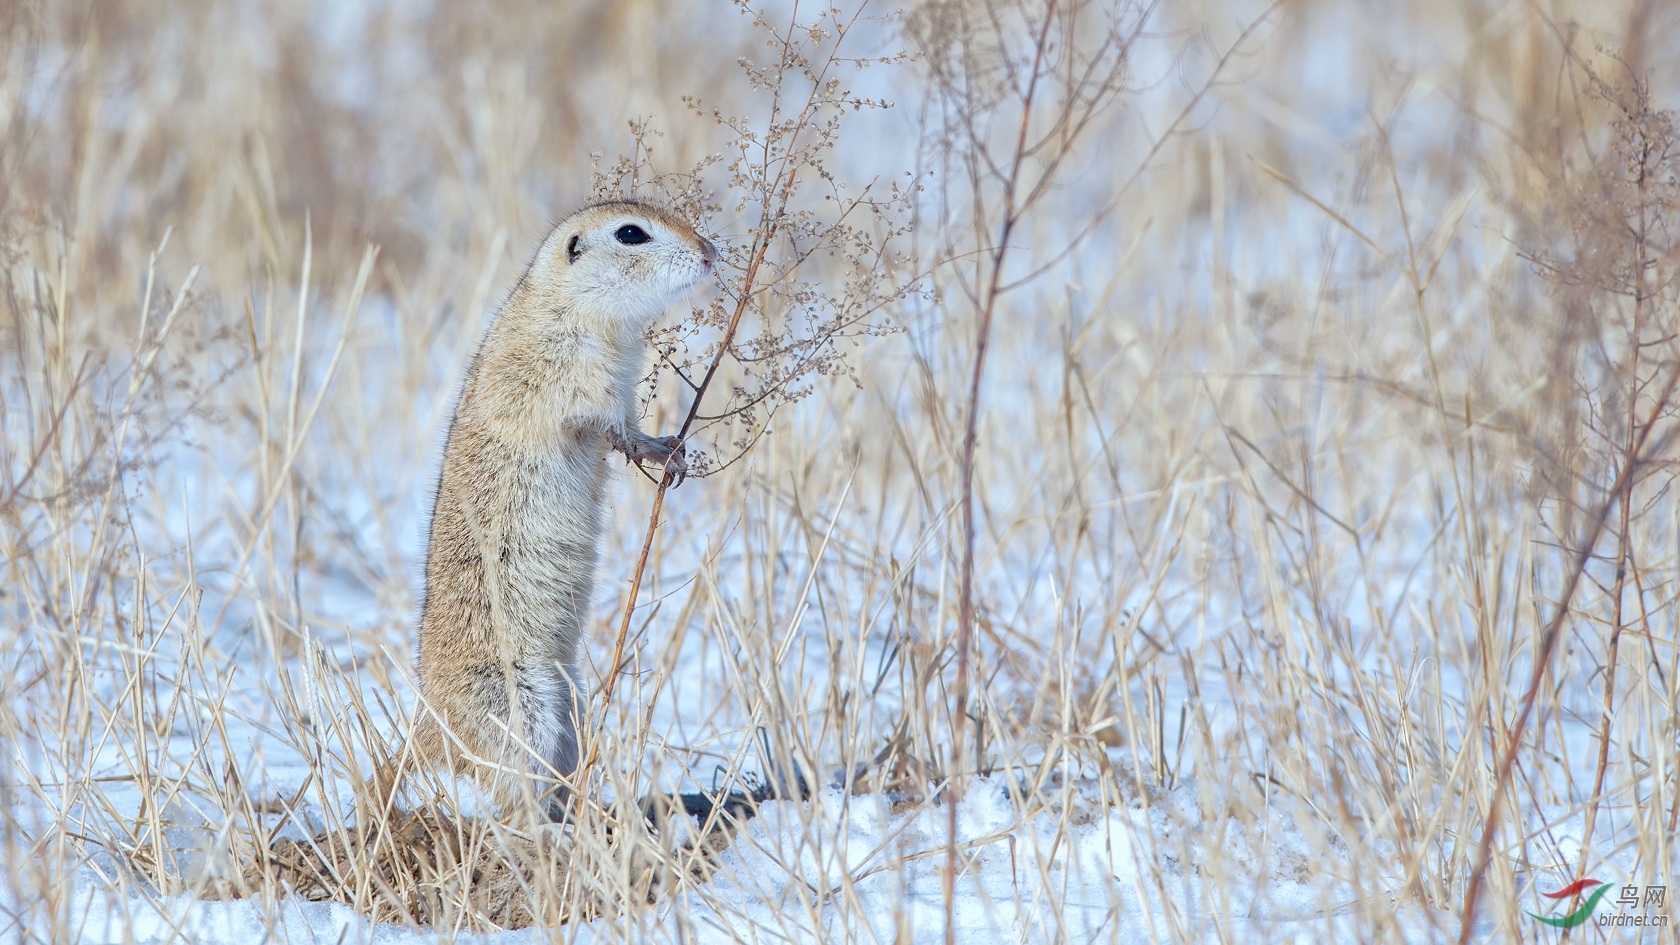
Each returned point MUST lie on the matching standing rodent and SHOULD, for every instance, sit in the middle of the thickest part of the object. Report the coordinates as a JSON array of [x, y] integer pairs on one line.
[[515, 531]]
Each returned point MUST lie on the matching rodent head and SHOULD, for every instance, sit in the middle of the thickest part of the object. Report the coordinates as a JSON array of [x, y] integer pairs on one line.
[[628, 259]]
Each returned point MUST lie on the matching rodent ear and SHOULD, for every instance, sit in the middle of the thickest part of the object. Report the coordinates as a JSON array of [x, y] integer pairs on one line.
[[572, 251]]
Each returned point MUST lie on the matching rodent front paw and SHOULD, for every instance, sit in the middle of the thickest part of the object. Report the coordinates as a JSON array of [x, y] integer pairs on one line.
[[675, 458], [665, 452]]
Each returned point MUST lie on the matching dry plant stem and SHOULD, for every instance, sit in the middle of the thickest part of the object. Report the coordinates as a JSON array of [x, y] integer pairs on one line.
[[781, 190], [1641, 455], [1624, 540], [665, 480], [1015, 207], [965, 598], [1623, 551]]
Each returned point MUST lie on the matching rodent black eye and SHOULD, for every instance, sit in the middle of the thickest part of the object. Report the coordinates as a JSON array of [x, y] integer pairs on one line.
[[631, 235]]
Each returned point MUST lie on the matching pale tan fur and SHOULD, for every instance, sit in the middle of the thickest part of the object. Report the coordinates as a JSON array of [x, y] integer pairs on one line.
[[516, 527]]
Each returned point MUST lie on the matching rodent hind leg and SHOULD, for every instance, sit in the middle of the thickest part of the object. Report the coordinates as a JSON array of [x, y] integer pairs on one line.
[[462, 725], [551, 731]]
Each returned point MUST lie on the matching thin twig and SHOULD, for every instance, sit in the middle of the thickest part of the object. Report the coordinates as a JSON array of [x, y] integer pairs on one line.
[[1548, 642], [781, 189], [965, 594]]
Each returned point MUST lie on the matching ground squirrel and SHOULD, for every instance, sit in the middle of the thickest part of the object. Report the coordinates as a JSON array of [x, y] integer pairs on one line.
[[515, 530]]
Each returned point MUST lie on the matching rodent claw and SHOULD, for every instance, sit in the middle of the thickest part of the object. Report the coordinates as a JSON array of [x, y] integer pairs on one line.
[[676, 460]]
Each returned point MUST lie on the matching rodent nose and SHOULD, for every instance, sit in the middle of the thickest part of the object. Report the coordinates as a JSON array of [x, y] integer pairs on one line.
[[708, 251]]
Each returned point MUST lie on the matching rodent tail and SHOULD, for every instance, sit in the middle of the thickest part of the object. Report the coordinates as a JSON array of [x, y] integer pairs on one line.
[[740, 805]]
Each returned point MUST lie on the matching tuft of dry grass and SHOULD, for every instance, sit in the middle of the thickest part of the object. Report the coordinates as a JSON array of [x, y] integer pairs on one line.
[[444, 870], [1181, 473]]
